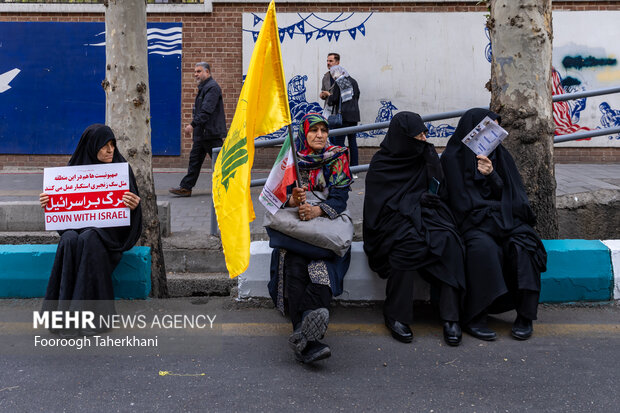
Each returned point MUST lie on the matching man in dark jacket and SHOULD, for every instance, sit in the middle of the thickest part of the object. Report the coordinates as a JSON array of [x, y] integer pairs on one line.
[[208, 126]]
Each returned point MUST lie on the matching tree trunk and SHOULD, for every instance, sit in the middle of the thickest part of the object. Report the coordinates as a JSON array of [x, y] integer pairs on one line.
[[128, 114], [521, 37]]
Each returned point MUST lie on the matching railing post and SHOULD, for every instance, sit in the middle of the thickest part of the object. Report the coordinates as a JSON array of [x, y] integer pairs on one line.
[[214, 228]]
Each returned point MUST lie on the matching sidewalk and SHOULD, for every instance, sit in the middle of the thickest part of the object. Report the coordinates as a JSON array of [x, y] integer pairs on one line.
[[194, 213]]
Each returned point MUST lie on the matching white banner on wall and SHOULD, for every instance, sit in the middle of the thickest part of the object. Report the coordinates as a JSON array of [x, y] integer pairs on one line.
[[86, 196], [438, 62]]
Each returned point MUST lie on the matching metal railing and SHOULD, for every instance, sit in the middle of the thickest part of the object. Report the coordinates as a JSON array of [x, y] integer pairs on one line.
[[428, 118], [100, 1]]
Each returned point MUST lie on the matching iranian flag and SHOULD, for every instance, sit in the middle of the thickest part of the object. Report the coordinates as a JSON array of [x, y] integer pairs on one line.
[[282, 175]]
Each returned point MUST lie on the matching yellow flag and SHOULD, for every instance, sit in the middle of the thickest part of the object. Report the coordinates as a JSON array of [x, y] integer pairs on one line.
[[262, 109]]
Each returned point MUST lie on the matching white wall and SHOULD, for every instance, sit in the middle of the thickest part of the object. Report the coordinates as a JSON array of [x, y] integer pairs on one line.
[[433, 62]]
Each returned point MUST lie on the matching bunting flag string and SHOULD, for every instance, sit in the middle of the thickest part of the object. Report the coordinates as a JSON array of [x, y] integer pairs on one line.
[[324, 27]]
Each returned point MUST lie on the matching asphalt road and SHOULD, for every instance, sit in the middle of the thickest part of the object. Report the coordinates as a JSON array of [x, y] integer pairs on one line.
[[244, 364]]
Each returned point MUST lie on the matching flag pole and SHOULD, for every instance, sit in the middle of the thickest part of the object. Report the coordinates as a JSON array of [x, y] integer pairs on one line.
[[294, 152]]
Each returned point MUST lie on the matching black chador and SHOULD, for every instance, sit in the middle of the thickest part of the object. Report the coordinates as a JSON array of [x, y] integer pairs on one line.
[[408, 228], [81, 277], [505, 256]]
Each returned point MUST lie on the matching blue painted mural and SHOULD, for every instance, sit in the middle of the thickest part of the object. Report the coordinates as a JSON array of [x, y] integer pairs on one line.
[[50, 85], [315, 26]]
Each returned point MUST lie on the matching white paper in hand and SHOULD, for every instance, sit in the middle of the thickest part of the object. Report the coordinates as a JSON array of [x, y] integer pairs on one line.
[[485, 137]]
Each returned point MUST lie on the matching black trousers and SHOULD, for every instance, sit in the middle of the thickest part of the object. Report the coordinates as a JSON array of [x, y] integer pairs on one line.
[[303, 294], [352, 138], [398, 303], [197, 156]]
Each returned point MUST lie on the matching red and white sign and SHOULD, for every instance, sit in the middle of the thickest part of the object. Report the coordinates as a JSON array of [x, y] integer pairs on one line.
[[86, 196]]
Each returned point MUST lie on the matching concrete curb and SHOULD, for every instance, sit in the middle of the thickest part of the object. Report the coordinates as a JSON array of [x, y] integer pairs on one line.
[[614, 248], [26, 271], [577, 270]]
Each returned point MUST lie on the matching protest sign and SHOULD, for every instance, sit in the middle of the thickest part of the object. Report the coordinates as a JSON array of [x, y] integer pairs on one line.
[[485, 137], [86, 196]]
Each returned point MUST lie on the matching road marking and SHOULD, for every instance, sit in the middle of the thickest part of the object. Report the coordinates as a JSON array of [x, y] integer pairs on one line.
[[276, 329], [344, 329]]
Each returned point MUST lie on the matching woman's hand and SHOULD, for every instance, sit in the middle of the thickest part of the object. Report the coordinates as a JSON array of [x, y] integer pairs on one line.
[[485, 166], [44, 199], [308, 212], [131, 200], [298, 197]]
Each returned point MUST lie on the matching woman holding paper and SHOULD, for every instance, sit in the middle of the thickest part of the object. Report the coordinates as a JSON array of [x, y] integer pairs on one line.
[[81, 277], [409, 228], [505, 255], [304, 277]]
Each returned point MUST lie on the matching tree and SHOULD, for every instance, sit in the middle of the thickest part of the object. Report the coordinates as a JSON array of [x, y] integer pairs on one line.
[[521, 37], [128, 114]]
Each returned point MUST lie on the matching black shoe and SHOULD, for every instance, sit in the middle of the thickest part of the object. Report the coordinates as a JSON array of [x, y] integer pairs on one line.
[[180, 191], [314, 351], [313, 327], [88, 332], [481, 332], [522, 328], [68, 333], [400, 331], [452, 333]]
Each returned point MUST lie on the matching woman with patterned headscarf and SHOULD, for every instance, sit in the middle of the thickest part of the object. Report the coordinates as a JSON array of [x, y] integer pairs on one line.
[[81, 277], [305, 277]]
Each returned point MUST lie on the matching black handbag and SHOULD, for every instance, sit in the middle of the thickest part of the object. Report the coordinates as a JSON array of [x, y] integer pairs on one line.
[[335, 120]]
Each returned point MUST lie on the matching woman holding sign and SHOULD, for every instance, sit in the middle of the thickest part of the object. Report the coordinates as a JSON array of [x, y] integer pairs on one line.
[[85, 259], [505, 255], [409, 228]]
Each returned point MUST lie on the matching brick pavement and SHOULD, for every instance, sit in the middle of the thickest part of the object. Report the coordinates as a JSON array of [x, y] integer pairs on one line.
[[194, 213]]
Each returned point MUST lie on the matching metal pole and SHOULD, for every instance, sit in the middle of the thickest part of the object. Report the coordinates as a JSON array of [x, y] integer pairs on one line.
[[585, 94], [294, 152], [585, 134], [214, 154]]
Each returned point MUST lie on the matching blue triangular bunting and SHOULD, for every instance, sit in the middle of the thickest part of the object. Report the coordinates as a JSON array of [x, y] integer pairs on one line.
[[321, 34], [282, 33], [300, 26], [291, 31], [329, 35], [353, 32], [255, 36], [362, 29], [308, 36], [336, 35], [257, 20]]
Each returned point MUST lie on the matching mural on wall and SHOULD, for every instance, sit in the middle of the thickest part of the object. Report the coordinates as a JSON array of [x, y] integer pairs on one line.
[[50, 85], [418, 65], [315, 26]]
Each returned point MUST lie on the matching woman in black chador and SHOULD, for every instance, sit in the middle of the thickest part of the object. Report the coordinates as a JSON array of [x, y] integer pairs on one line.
[[409, 228], [81, 276], [505, 256]]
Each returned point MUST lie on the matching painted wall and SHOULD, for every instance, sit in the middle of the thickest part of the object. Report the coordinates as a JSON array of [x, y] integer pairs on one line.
[[50, 85], [437, 62]]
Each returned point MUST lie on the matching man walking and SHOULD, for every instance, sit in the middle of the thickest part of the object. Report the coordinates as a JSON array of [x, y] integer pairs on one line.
[[208, 126]]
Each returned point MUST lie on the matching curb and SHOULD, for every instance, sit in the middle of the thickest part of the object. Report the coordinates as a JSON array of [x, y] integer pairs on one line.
[[577, 271]]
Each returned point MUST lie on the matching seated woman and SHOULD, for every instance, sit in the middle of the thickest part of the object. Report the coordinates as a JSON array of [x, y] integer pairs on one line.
[[505, 256], [409, 228], [304, 277], [85, 259]]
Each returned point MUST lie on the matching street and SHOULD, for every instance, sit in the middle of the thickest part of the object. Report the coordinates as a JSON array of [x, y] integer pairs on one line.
[[244, 364]]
